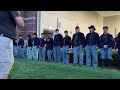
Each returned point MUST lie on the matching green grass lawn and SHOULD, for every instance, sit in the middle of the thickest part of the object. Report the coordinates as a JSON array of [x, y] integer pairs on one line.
[[29, 69]]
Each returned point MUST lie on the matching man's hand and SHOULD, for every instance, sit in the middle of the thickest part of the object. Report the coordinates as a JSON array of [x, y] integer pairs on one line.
[[70, 50], [19, 22], [96, 47], [83, 48], [105, 46], [116, 50], [39, 46], [44, 39]]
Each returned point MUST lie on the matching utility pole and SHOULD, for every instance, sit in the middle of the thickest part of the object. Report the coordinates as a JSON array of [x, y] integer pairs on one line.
[[77, 24], [57, 23], [115, 33]]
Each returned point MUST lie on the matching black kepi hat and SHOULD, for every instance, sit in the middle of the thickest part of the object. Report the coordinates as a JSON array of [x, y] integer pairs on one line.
[[56, 29], [77, 27], [105, 27]]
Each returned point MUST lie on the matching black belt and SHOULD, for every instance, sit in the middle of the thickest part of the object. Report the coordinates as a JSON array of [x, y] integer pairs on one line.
[[2, 35], [65, 45]]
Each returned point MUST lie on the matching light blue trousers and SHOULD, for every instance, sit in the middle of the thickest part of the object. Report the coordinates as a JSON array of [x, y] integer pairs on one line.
[[57, 54], [15, 50], [34, 52], [91, 49], [20, 52], [49, 55], [78, 51], [29, 52], [42, 54], [65, 59], [106, 53]]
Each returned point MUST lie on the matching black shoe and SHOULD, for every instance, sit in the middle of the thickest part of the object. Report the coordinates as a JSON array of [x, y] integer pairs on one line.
[[102, 63], [74, 64], [118, 69], [80, 65], [109, 63], [118, 65]]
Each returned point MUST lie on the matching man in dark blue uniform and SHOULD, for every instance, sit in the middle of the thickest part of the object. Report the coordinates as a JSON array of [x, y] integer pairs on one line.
[[35, 45], [49, 47], [57, 46], [42, 43], [66, 44], [15, 47], [78, 42], [29, 47], [106, 44], [118, 49], [92, 41], [20, 47]]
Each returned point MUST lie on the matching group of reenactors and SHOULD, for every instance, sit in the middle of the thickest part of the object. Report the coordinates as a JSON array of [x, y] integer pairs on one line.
[[59, 47]]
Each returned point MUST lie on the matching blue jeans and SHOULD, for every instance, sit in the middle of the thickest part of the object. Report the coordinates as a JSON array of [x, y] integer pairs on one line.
[[106, 53], [42, 53], [15, 50], [57, 54], [91, 49], [78, 51], [49, 55], [34, 52], [29, 53], [65, 59], [20, 52]]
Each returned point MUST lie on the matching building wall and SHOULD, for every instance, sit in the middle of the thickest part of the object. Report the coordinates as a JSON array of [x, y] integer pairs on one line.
[[29, 18], [69, 19], [112, 22]]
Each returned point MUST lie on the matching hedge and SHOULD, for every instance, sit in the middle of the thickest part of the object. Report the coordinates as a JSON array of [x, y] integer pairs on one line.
[[114, 56]]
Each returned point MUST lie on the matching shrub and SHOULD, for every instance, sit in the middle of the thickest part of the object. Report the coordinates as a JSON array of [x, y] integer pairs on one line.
[[114, 56]]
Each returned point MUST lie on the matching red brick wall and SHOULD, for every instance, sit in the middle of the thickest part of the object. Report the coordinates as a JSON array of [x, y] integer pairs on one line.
[[29, 18]]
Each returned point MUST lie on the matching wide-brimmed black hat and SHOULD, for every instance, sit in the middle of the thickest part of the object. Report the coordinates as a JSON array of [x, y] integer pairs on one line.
[[92, 26], [105, 27], [77, 27]]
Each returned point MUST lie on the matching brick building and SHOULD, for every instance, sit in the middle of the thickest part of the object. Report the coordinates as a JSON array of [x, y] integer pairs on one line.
[[30, 20]]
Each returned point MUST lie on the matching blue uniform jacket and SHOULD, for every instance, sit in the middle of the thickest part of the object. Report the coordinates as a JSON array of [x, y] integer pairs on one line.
[[30, 42], [35, 41], [106, 39], [21, 42], [78, 39], [42, 42], [92, 39], [58, 40], [49, 44], [66, 41]]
